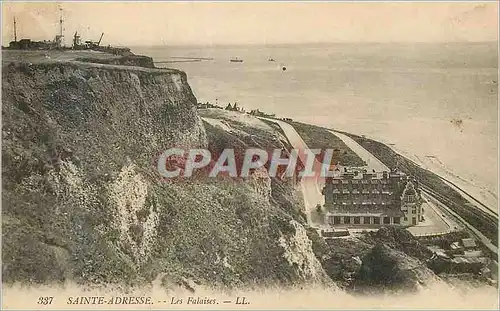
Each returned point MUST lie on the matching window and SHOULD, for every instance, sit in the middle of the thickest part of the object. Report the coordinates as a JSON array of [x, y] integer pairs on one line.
[[366, 220], [397, 220], [347, 220], [357, 220], [376, 220], [387, 220], [336, 220], [406, 218]]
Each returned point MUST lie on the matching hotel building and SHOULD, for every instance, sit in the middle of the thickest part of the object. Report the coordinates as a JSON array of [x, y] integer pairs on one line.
[[356, 198]]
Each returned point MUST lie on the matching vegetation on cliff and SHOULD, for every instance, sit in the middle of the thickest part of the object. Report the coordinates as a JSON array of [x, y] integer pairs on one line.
[[82, 200]]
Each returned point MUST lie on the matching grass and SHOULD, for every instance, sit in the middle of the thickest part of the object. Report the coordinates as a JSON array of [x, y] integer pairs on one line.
[[320, 138]]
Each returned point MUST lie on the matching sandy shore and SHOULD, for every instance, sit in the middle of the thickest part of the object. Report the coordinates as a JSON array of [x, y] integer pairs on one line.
[[467, 189]]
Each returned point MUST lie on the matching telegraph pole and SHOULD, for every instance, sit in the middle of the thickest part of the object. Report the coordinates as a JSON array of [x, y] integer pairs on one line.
[[15, 30], [61, 29], [61, 24]]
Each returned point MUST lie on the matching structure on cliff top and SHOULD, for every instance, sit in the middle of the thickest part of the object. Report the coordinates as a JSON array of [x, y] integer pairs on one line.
[[365, 199], [28, 44], [58, 43]]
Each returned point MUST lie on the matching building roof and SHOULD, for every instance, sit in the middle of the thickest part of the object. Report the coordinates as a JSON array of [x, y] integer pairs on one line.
[[469, 242], [357, 173], [409, 189]]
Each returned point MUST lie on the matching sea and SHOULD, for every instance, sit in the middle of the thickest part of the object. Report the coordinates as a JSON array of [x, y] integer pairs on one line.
[[436, 103]]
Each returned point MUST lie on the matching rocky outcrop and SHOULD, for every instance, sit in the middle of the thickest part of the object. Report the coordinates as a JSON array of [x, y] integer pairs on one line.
[[387, 268], [390, 259], [402, 240], [298, 253]]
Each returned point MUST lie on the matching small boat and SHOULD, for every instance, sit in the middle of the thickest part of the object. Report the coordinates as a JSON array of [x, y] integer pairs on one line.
[[271, 59], [236, 60]]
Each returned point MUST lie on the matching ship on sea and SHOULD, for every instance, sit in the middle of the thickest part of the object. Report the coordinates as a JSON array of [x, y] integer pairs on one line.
[[236, 60], [271, 59]]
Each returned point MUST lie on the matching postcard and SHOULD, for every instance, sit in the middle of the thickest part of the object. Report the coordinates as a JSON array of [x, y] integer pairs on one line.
[[249, 155]]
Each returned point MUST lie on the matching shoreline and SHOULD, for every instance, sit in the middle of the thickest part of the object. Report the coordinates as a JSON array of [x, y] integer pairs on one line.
[[468, 190]]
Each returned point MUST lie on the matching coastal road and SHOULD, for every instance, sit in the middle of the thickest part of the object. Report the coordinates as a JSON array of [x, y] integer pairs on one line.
[[310, 185], [489, 209], [428, 196], [372, 162]]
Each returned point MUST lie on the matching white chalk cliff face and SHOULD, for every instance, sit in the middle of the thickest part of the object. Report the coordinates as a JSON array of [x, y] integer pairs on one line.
[[298, 252], [128, 194], [82, 199]]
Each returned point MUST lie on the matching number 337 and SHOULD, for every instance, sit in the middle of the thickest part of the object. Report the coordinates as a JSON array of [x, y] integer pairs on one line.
[[45, 300]]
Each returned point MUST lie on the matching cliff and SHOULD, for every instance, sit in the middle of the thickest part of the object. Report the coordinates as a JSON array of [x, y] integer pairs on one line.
[[82, 200]]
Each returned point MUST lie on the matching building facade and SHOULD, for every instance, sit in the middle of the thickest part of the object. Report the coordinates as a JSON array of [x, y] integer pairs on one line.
[[357, 198]]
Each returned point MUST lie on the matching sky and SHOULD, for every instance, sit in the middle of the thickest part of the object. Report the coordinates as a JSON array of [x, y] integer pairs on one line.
[[206, 23]]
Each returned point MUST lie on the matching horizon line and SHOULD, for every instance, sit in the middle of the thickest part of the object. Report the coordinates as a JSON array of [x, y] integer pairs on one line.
[[308, 43]]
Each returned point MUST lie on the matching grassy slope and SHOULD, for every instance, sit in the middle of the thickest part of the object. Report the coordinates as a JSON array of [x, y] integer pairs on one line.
[[320, 138]]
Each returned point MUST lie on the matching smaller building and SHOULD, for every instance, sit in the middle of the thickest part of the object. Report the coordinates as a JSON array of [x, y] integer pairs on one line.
[[469, 244]]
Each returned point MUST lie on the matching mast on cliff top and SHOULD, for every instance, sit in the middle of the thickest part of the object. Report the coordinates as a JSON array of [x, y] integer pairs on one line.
[[15, 30], [61, 24], [60, 37]]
